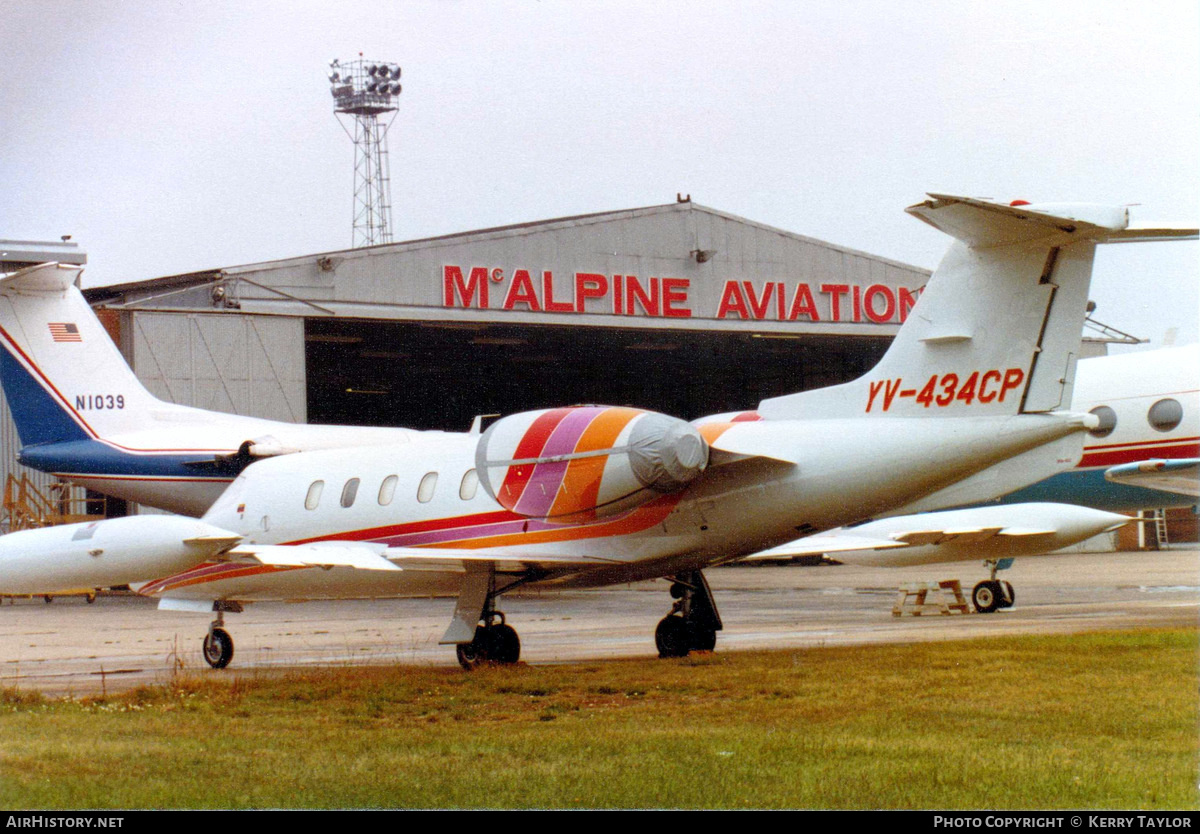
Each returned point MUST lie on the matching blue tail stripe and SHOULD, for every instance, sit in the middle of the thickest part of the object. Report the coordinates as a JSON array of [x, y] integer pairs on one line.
[[91, 457], [39, 417]]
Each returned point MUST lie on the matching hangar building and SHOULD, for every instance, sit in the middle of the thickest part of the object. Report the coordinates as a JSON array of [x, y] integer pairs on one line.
[[678, 308]]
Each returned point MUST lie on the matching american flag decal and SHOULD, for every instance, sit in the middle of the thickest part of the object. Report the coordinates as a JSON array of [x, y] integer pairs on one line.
[[64, 332]]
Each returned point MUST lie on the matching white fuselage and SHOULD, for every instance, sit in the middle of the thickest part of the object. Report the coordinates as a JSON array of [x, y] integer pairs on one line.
[[738, 507]]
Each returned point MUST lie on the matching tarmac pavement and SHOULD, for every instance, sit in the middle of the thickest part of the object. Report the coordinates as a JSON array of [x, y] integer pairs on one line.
[[72, 648]]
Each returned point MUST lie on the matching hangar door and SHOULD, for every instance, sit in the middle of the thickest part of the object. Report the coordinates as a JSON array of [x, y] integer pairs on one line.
[[251, 365], [436, 375]]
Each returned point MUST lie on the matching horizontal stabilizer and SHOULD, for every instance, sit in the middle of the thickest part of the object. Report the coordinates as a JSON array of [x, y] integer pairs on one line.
[[981, 223], [43, 278], [1145, 234]]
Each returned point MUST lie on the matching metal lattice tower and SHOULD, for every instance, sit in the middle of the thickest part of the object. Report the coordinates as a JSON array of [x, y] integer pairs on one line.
[[365, 90]]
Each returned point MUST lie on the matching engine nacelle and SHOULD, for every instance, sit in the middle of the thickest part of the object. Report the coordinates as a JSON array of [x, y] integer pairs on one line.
[[586, 462]]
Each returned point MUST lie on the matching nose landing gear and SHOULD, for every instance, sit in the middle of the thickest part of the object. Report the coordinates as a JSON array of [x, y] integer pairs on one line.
[[218, 645]]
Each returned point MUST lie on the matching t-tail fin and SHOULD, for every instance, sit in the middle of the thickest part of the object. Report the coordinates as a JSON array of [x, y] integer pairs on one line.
[[63, 377], [997, 329]]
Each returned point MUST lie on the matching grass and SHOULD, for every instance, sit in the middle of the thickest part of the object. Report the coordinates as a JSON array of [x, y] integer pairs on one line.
[[1089, 721]]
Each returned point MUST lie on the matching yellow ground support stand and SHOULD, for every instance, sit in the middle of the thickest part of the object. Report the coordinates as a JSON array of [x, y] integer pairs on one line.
[[947, 598]]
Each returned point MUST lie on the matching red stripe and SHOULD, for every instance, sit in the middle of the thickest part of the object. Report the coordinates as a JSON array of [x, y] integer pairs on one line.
[[1133, 455], [531, 445], [1172, 441], [457, 522]]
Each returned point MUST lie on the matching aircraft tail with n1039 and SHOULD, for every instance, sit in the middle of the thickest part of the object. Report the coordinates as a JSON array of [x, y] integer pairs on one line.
[[83, 415]]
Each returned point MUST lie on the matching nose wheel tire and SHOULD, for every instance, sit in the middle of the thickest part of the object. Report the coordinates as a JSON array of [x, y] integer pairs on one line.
[[218, 648]]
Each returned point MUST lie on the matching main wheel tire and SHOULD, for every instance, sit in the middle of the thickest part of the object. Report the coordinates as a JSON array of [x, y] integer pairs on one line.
[[672, 637], [218, 648], [986, 596], [505, 645], [702, 639], [477, 652], [469, 655]]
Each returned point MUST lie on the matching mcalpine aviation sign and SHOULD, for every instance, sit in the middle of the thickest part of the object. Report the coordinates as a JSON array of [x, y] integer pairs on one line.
[[493, 288]]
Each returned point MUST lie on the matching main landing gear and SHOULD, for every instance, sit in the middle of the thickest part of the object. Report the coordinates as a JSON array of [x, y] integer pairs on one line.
[[218, 645], [494, 642], [693, 623], [992, 594]]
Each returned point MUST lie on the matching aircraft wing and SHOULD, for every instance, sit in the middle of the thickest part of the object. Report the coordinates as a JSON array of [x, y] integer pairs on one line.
[[955, 535], [835, 541], [369, 556], [1181, 476]]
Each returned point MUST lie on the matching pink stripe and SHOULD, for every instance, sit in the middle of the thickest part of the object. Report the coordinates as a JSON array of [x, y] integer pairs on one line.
[[434, 537], [543, 485]]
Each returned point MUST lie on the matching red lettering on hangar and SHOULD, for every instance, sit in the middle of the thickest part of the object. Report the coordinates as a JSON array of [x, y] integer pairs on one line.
[[485, 288]]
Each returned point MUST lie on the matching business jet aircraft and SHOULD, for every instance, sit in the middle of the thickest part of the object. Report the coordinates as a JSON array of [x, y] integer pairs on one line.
[[963, 406], [1146, 451], [1143, 454], [82, 414]]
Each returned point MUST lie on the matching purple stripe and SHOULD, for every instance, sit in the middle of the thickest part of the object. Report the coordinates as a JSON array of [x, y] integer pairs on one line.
[[539, 494], [436, 536]]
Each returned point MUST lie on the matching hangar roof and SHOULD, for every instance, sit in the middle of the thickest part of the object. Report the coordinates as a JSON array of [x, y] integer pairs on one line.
[[675, 266]]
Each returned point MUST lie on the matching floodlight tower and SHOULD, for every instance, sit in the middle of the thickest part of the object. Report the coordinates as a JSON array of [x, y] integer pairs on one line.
[[366, 90]]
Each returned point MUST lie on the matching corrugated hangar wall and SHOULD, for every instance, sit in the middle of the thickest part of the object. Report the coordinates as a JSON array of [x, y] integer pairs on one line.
[[252, 365]]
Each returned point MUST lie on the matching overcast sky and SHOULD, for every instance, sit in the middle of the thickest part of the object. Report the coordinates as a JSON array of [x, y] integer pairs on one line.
[[171, 137]]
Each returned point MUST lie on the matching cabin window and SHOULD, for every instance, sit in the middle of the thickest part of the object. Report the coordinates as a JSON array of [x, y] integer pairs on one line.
[[1108, 421], [387, 490], [349, 491], [470, 483], [1165, 415], [314, 495], [428, 485]]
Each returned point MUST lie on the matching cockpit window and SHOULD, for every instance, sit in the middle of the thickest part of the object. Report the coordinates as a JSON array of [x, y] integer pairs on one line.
[[1108, 421]]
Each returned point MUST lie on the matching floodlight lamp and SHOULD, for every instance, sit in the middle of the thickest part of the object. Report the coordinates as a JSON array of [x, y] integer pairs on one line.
[[395, 73], [371, 87], [395, 89], [334, 77]]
